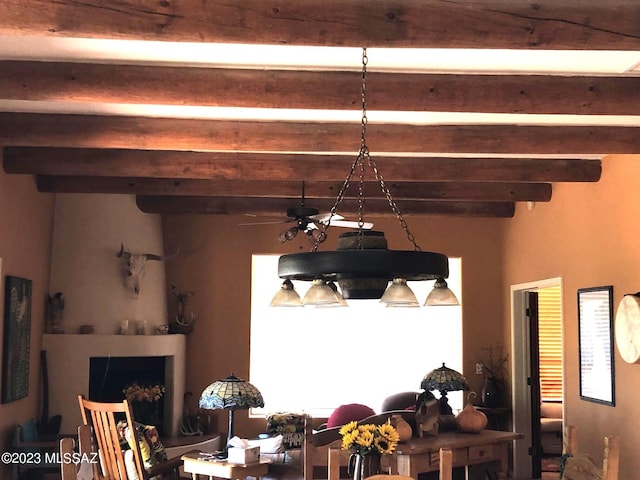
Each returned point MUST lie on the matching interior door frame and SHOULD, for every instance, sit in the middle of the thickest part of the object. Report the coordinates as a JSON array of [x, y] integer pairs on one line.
[[520, 358]]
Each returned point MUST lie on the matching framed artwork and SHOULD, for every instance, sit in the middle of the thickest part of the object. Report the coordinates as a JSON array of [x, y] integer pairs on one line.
[[595, 335], [17, 333]]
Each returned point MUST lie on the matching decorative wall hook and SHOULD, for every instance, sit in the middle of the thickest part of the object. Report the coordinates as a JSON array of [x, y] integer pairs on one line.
[[183, 321]]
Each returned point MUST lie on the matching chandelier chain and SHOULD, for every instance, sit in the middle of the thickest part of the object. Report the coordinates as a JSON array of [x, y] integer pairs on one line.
[[392, 204], [359, 162], [339, 198], [364, 154], [363, 103]]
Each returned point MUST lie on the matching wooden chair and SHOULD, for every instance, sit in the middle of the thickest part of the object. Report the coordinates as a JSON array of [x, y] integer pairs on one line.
[[577, 466], [86, 449], [67, 470], [318, 446], [104, 417], [446, 467]]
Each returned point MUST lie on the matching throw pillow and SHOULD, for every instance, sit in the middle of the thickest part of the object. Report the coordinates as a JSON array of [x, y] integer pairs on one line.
[[289, 425], [349, 413], [151, 449]]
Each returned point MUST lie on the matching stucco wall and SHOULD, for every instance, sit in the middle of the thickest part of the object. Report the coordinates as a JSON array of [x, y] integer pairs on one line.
[[588, 235], [216, 264], [88, 232], [26, 219]]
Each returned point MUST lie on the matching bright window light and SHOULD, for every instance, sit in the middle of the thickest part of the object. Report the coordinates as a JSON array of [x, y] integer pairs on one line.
[[314, 359]]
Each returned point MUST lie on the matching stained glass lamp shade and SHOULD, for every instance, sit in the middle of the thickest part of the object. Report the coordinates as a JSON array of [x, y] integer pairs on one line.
[[231, 393], [444, 379]]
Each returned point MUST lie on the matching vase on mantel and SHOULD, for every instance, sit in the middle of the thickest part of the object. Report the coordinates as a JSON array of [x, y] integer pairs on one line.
[[363, 466], [492, 393]]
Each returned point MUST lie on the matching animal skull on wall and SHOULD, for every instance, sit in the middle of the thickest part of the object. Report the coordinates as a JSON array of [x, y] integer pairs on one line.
[[134, 267]]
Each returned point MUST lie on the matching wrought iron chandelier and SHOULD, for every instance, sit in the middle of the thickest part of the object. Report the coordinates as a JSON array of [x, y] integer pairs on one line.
[[362, 265]]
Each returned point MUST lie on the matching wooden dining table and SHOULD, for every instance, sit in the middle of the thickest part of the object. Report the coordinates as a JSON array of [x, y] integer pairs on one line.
[[419, 455]]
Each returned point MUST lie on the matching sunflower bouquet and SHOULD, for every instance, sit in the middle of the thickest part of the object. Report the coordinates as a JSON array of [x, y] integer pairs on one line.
[[367, 438]]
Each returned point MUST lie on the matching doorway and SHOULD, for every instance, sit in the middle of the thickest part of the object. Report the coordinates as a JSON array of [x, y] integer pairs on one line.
[[529, 346]]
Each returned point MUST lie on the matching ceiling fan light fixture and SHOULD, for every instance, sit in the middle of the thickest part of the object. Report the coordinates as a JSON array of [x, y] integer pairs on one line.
[[288, 235], [360, 262], [441, 295], [286, 296]]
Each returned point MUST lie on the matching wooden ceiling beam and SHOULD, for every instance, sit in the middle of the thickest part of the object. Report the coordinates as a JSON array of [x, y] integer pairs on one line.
[[548, 24], [277, 206], [161, 85], [477, 191], [288, 167], [59, 130]]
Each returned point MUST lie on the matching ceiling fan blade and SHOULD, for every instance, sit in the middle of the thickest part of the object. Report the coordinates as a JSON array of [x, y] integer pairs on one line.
[[348, 224], [274, 222], [324, 217]]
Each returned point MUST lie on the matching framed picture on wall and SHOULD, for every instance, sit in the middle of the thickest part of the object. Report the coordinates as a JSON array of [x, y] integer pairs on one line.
[[17, 338], [595, 327]]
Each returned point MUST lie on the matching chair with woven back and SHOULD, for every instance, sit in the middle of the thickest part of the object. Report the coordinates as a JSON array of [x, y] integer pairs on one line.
[[579, 466], [116, 463]]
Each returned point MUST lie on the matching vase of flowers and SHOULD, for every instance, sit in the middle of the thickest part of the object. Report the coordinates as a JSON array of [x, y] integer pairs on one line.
[[367, 443], [145, 403]]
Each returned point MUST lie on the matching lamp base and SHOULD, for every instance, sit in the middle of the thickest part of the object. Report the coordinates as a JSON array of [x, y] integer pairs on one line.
[[445, 408]]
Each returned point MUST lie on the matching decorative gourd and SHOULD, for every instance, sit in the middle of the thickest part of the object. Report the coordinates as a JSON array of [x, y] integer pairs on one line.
[[469, 419], [405, 432]]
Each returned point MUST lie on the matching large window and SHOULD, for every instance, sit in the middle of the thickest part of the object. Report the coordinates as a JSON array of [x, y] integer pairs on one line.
[[315, 359]]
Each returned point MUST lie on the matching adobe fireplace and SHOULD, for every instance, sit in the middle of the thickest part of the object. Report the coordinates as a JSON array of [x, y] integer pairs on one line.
[[118, 360], [140, 377]]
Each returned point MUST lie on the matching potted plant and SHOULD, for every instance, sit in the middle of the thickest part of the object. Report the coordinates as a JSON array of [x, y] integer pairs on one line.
[[494, 381]]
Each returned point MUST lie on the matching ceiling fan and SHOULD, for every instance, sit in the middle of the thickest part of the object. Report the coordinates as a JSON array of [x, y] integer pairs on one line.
[[309, 220]]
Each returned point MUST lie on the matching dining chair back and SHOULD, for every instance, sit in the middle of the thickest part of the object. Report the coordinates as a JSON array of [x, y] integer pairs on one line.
[[81, 458], [104, 418], [579, 466]]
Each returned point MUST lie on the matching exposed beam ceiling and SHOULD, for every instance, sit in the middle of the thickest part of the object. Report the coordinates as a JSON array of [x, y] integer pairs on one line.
[[520, 24], [297, 167], [252, 88], [135, 111]]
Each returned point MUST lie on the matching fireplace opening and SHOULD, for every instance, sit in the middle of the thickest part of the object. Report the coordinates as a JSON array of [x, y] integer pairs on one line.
[[109, 377]]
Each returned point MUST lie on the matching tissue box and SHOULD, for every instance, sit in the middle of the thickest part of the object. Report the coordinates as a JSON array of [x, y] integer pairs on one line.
[[243, 455]]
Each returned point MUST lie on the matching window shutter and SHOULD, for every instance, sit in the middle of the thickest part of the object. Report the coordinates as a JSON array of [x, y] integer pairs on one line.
[[550, 335]]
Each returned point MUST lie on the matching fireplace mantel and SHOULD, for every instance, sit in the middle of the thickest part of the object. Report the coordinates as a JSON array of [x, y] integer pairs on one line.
[[68, 369]]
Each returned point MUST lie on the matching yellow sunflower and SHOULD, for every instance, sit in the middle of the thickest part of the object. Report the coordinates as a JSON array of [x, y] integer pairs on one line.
[[348, 428], [387, 439], [367, 438]]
